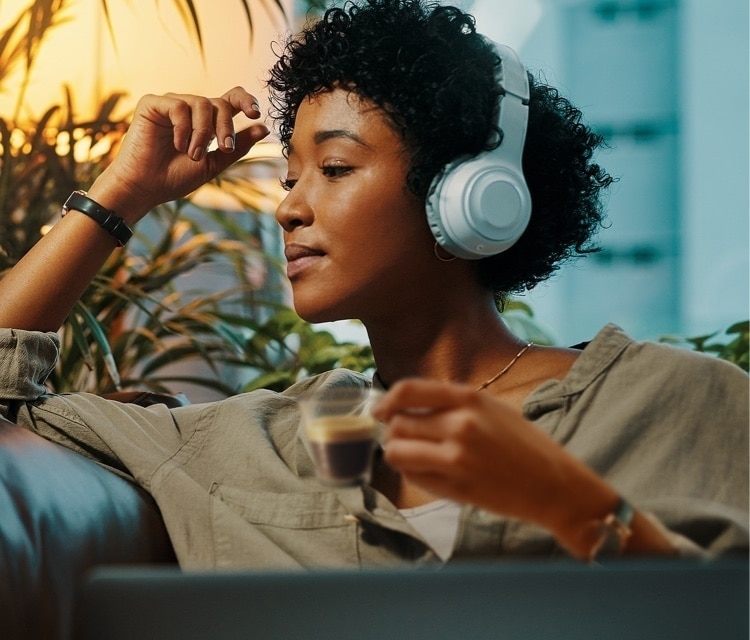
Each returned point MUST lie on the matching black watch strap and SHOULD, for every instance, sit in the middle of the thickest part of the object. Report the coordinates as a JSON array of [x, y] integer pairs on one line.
[[106, 219]]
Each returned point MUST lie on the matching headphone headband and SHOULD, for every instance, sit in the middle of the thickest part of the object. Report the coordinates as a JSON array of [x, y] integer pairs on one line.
[[514, 103]]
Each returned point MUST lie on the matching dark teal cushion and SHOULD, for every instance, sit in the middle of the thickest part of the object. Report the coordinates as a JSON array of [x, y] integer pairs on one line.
[[60, 515]]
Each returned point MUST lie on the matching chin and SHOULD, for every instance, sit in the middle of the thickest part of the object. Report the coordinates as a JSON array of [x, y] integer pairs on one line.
[[316, 315], [319, 305]]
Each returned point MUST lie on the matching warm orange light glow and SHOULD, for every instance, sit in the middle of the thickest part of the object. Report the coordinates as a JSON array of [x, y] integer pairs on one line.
[[264, 172], [153, 52]]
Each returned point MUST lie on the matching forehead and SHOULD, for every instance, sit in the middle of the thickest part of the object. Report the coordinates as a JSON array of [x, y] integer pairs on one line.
[[343, 113]]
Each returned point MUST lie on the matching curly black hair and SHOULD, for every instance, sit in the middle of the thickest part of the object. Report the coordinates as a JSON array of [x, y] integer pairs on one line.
[[434, 76]]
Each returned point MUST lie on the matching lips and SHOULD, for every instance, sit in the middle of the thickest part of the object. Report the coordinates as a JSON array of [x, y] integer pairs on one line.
[[299, 257]]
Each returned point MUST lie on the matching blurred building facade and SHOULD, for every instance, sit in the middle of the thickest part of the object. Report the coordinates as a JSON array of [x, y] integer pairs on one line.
[[666, 82]]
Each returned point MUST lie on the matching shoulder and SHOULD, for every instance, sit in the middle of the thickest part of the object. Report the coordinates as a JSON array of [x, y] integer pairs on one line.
[[668, 379], [268, 400], [329, 379], [675, 365], [612, 346], [616, 369]]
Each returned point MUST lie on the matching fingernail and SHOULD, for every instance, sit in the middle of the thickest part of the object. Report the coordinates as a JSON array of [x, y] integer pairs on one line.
[[256, 108], [229, 143], [199, 153]]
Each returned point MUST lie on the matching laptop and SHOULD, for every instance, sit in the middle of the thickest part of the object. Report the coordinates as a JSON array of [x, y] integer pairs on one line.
[[646, 600]]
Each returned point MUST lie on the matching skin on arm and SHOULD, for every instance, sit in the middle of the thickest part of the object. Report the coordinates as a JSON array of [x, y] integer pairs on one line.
[[163, 157], [456, 442]]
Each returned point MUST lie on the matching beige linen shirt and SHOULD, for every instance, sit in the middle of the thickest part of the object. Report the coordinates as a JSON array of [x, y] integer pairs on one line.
[[668, 428]]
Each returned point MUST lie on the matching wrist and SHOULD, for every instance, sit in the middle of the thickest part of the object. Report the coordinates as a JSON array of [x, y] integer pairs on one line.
[[605, 536], [107, 219], [590, 518], [115, 195]]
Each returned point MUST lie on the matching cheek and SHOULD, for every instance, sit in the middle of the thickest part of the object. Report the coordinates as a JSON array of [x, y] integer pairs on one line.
[[388, 232]]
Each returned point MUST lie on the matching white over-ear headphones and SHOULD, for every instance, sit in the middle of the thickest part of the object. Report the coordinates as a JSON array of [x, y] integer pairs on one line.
[[479, 206]]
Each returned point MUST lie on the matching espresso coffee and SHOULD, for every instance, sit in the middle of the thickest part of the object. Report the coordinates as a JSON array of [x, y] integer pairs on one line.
[[342, 446]]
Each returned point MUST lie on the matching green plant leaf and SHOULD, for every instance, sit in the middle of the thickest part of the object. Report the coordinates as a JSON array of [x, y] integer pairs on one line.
[[732, 344], [100, 338], [149, 309]]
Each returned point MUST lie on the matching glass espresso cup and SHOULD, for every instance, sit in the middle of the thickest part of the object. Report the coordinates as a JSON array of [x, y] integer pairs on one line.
[[342, 434]]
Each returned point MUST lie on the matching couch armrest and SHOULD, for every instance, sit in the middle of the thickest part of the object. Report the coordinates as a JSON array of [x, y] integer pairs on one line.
[[60, 515]]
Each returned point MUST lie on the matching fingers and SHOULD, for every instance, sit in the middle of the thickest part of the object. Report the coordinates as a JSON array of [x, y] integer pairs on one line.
[[236, 101], [427, 410], [433, 424], [242, 102], [419, 455], [196, 121], [244, 140], [418, 396]]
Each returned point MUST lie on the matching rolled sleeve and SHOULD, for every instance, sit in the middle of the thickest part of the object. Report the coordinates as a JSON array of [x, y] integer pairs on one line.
[[26, 360]]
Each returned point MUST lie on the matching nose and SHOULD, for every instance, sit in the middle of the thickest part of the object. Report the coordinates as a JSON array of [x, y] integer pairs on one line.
[[294, 211]]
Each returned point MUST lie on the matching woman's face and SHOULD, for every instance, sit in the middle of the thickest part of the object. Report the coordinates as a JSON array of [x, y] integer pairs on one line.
[[357, 241]]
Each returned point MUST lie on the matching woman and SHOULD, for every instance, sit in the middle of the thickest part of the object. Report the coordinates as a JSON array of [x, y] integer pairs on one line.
[[494, 447]]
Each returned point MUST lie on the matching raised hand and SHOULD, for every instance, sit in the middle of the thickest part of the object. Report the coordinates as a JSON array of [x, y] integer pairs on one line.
[[165, 152], [163, 156]]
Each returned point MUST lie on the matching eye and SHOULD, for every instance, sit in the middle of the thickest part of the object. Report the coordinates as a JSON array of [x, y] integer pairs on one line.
[[287, 184], [336, 170]]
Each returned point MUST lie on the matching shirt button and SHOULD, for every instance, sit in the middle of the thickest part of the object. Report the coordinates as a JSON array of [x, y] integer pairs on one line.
[[350, 518]]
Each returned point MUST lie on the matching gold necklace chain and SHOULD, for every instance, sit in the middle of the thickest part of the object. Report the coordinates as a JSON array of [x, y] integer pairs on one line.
[[486, 384], [506, 368]]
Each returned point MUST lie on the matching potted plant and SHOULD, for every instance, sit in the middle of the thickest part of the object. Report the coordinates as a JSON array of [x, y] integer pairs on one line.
[[139, 320]]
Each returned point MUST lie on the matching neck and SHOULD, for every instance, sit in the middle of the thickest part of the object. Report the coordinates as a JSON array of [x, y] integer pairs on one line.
[[467, 343]]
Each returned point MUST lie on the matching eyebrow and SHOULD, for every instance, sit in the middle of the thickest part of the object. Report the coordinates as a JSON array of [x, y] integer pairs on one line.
[[321, 136]]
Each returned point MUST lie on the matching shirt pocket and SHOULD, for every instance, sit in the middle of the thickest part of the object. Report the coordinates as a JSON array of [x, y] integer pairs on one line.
[[262, 529]]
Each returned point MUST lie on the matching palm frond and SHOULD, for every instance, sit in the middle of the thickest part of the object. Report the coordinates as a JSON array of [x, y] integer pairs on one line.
[[148, 316]]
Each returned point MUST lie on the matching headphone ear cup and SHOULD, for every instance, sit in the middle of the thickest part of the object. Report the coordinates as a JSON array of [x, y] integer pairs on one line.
[[478, 207]]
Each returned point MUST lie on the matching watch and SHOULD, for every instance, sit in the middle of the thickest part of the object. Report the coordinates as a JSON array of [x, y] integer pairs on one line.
[[106, 219], [613, 532]]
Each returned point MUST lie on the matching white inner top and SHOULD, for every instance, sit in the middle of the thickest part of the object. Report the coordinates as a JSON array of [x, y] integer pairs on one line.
[[437, 523]]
